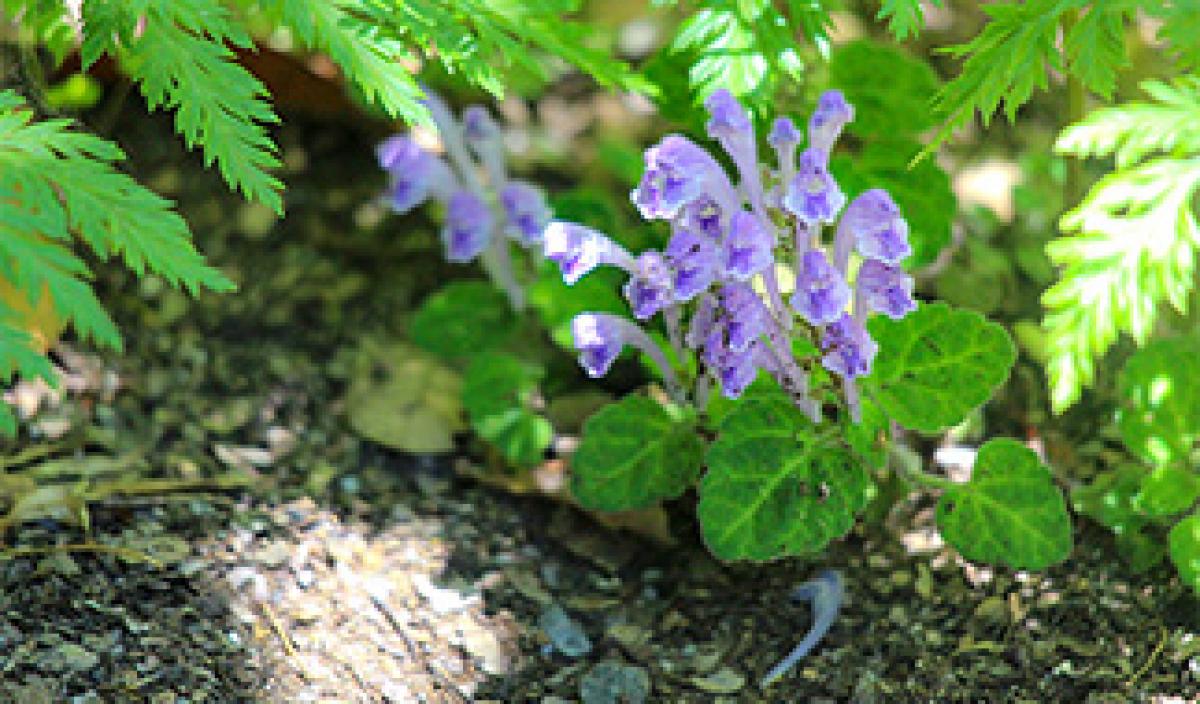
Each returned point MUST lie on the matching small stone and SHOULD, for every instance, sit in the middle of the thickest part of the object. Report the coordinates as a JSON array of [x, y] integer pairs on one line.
[[723, 681], [59, 563], [924, 583], [614, 683], [564, 632], [74, 657], [993, 609]]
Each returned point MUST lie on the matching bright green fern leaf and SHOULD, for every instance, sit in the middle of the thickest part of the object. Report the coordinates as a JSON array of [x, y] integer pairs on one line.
[[1135, 232], [904, 17]]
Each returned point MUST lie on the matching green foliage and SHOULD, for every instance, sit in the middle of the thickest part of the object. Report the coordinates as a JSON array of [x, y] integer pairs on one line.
[[463, 319], [1135, 233], [634, 453], [499, 393], [936, 365], [891, 92], [904, 17], [1180, 27], [776, 487], [1184, 542], [1160, 385], [181, 53], [748, 46], [1167, 491], [1009, 512]]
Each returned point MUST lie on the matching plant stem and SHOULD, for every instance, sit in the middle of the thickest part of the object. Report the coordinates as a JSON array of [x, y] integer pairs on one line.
[[1076, 96]]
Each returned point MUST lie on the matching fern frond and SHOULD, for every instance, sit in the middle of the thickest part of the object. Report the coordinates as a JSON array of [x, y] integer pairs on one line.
[[1136, 235], [1095, 45], [1180, 29], [56, 183], [904, 17], [182, 60]]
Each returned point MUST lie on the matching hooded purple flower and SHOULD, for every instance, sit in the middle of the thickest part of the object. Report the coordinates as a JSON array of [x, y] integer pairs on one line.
[[727, 117], [478, 125], [830, 116], [678, 171], [578, 249], [737, 370], [704, 319], [812, 195], [651, 287], [747, 248], [527, 212], [784, 133], [744, 314], [412, 170], [702, 215], [695, 261], [468, 227], [884, 288], [878, 229], [821, 294], [849, 350], [599, 339]]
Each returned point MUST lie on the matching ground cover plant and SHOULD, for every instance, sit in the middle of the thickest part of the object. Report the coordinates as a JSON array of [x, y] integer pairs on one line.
[[762, 315]]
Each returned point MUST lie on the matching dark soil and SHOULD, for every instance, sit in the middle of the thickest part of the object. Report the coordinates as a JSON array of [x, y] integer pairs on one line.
[[352, 573]]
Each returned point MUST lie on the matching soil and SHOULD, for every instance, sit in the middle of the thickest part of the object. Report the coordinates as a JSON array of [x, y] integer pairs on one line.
[[352, 573]]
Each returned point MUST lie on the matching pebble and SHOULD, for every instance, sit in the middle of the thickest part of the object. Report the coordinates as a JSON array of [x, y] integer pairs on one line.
[[612, 682], [723, 681], [564, 632]]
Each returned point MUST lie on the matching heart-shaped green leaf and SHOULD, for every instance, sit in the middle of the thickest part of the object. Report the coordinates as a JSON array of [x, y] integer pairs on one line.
[[497, 393], [774, 487], [632, 454], [1010, 512], [1184, 542], [1160, 420], [462, 319], [936, 365]]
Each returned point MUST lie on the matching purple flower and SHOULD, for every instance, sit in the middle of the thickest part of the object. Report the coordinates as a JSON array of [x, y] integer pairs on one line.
[[599, 337], [812, 194], [578, 249], [884, 288], [745, 315], [737, 370], [695, 261], [849, 350], [650, 288], [411, 169], [879, 230], [527, 212], [468, 227], [678, 172], [821, 293], [703, 215], [784, 133], [828, 119], [478, 125], [747, 248], [727, 117]]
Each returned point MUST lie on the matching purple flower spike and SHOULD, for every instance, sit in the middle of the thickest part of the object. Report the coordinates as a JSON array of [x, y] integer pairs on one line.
[[678, 172], [527, 212], [704, 321], [827, 121], [746, 316], [727, 116], [812, 194], [695, 261], [599, 339], [884, 288], [578, 249], [821, 293], [702, 215], [849, 350], [737, 370], [650, 289], [747, 249], [468, 227]]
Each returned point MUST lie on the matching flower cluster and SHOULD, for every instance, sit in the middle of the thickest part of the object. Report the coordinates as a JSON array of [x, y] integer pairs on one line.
[[719, 269], [473, 186]]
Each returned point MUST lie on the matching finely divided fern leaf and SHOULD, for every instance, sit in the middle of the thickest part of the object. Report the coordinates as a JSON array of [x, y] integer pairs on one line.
[[1095, 45], [1135, 233], [57, 184], [904, 17], [179, 53]]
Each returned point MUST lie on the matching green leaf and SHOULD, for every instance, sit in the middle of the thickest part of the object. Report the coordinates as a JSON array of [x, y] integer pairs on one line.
[[775, 487], [8, 421], [1180, 27], [1141, 549], [1166, 491], [868, 438], [633, 453], [462, 319], [904, 17], [1160, 385], [1009, 512], [1095, 45], [1110, 499], [937, 365], [1184, 542], [499, 392], [922, 190], [890, 90], [557, 303]]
